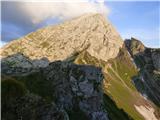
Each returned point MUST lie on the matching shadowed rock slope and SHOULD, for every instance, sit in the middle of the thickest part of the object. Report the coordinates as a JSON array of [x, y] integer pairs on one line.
[[59, 91], [65, 91]]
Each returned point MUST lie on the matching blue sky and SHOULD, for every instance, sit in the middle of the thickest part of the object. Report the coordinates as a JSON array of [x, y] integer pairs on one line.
[[137, 19], [131, 19]]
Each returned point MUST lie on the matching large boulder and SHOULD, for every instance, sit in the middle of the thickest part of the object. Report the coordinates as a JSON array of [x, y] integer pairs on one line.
[[78, 87]]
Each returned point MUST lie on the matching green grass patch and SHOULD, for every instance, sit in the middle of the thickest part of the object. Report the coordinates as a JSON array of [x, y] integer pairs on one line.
[[12, 89], [77, 114], [37, 84], [114, 113], [44, 44]]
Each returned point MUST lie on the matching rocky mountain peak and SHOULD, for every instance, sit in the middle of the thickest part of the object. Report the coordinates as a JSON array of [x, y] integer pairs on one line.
[[91, 32], [134, 46]]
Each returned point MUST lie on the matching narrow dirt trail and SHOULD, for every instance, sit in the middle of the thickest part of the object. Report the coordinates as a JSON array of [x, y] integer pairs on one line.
[[121, 79]]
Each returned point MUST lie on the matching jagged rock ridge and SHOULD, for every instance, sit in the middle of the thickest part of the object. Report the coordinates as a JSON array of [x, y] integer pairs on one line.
[[90, 31], [148, 63]]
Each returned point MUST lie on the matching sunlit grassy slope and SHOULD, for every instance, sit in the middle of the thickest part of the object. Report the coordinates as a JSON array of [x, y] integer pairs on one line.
[[118, 85]]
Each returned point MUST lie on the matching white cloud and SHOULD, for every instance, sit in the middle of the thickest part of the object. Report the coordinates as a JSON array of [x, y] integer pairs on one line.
[[2, 43], [64, 9], [27, 16]]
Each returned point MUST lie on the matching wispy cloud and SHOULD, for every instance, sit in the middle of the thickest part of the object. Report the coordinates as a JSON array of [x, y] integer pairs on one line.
[[39, 11], [28, 16], [20, 18]]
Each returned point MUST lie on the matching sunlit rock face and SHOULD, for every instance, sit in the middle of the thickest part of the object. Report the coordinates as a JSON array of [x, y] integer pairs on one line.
[[91, 32]]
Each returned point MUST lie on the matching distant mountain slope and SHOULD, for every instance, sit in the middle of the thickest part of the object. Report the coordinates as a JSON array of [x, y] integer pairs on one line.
[[148, 63]]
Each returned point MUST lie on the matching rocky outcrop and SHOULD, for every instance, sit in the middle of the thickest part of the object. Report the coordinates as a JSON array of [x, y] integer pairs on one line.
[[19, 60], [71, 89], [134, 46], [155, 54], [22, 64], [91, 31], [148, 62], [78, 87]]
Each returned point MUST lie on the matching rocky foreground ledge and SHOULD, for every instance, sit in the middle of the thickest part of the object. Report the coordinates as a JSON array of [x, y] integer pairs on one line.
[[58, 91]]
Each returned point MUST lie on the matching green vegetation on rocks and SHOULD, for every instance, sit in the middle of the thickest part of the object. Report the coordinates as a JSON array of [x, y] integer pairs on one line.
[[12, 89], [114, 112], [37, 84], [77, 115]]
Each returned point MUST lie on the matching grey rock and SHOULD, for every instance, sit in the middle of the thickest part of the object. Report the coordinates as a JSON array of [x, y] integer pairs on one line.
[[77, 86], [156, 58], [73, 87], [87, 88], [99, 116], [42, 63]]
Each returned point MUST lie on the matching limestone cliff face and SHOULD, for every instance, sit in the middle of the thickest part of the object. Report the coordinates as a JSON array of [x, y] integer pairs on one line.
[[90, 31]]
